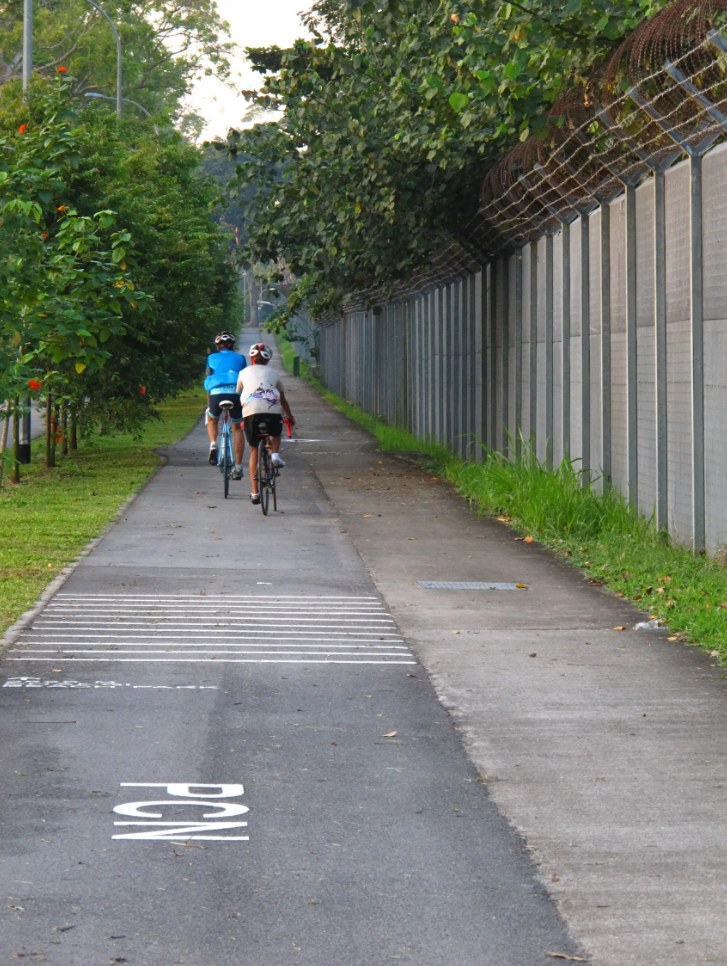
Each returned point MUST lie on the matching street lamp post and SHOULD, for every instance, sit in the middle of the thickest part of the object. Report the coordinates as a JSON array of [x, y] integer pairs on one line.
[[126, 100], [27, 42]]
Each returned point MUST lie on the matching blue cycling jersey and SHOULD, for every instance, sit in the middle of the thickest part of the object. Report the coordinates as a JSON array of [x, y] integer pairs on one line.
[[223, 368]]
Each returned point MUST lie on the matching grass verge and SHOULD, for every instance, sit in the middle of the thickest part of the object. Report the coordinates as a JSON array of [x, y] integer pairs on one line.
[[52, 514], [589, 529]]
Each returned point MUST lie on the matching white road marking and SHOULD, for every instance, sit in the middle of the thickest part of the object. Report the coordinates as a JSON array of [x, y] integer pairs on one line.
[[183, 794], [188, 629], [28, 682], [196, 660], [261, 598]]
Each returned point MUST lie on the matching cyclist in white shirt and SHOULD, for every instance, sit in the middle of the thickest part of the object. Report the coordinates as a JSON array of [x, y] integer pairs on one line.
[[263, 402]]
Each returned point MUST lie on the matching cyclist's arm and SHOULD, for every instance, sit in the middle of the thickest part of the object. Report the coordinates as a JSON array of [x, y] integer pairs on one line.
[[286, 407]]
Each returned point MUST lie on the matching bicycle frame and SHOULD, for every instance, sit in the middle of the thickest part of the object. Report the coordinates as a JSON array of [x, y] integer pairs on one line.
[[224, 458]]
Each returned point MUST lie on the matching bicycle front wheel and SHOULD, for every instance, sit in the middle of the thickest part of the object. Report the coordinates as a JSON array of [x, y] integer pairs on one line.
[[263, 469]]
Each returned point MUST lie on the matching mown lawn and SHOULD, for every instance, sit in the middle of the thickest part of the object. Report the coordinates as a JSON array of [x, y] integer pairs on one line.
[[52, 514]]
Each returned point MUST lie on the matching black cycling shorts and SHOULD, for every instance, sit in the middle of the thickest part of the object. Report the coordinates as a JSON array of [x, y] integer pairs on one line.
[[271, 424], [234, 398]]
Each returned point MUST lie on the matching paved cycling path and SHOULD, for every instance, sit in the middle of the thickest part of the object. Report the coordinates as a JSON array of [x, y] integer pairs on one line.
[[341, 824]]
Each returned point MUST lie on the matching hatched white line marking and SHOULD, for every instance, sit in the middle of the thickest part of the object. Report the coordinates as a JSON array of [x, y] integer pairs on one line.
[[197, 660], [180, 629], [72, 652], [194, 598], [101, 638]]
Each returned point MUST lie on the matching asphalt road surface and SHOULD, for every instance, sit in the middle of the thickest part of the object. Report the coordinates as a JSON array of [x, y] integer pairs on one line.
[[217, 749]]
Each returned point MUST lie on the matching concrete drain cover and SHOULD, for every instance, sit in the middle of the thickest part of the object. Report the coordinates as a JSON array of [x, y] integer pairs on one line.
[[468, 585]]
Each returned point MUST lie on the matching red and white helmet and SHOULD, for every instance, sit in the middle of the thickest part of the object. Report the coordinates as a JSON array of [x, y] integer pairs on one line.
[[262, 350]]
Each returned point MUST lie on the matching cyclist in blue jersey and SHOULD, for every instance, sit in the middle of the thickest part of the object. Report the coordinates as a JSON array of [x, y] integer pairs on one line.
[[223, 368]]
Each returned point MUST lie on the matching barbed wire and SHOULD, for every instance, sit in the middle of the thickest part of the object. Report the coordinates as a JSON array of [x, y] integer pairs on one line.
[[661, 96]]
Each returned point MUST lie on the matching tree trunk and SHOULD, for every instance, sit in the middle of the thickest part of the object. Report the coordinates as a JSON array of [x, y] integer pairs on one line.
[[64, 428], [56, 429], [74, 429], [48, 431], [4, 439], [15, 478], [253, 294]]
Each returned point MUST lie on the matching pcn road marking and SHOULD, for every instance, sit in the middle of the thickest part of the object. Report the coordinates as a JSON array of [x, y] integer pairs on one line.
[[183, 793]]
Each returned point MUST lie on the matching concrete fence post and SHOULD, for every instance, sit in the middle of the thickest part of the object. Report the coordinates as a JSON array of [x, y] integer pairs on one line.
[[586, 349]]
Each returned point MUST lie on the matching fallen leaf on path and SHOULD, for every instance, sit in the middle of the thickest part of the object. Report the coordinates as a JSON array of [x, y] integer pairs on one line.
[[619, 628], [390, 734], [521, 586], [528, 539], [672, 638], [411, 538], [575, 959], [455, 632], [368, 514], [504, 519]]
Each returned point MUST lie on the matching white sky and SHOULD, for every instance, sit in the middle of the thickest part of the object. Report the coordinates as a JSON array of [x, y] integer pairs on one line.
[[252, 24]]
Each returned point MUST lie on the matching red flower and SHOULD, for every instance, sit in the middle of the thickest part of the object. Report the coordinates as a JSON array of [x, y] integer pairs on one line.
[[34, 383], [22, 128], [142, 390], [61, 207], [43, 235], [62, 70]]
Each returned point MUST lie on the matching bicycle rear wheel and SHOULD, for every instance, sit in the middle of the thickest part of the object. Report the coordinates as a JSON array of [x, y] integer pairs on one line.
[[226, 462], [263, 469], [275, 488]]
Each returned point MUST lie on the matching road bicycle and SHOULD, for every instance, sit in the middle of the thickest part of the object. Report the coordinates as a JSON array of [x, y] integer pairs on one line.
[[224, 457], [267, 474]]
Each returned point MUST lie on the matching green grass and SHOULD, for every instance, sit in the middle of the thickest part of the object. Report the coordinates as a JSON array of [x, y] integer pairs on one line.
[[587, 528], [287, 354], [52, 514]]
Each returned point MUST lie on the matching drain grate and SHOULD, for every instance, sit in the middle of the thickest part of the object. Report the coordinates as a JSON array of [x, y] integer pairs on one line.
[[467, 585]]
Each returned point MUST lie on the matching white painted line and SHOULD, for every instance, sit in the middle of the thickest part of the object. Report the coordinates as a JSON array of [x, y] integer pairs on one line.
[[222, 635], [171, 651], [264, 621], [211, 615], [31, 646], [28, 682], [190, 660], [203, 597]]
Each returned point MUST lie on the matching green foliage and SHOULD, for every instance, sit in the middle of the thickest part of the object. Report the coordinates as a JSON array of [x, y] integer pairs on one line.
[[391, 115], [165, 45], [113, 275]]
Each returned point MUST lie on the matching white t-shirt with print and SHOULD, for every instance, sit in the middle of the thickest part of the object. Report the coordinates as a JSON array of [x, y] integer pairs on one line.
[[260, 388]]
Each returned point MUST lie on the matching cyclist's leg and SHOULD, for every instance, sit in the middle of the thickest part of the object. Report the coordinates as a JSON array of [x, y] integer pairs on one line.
[[276, 430], [212, 429], [238, 441], [249, 427], [253, 470]]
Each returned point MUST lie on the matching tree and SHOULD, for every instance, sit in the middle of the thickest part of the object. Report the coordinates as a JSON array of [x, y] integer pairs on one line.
[[392, 113], [113, 275], [165, 45]]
